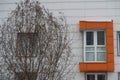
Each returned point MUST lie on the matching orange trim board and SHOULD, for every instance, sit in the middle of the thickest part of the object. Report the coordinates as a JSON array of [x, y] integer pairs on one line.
[[108, 66]]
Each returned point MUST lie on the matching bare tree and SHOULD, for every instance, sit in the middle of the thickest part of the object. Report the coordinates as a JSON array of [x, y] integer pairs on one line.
[[35, 44]]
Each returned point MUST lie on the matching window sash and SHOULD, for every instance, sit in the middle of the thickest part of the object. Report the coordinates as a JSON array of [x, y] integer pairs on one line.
[[90, 38], [95, 48], [100, 37]]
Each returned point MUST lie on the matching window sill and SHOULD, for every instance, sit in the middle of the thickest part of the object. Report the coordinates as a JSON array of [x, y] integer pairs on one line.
[[96, 67]]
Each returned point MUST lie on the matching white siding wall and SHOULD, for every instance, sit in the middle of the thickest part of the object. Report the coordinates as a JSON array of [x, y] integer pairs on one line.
[[75, 11]]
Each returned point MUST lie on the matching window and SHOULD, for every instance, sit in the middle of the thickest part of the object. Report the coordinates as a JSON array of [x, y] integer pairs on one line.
[[25, 76], [2, 75], [94, 46], [118, 75], [95, 76], [26, 43], [118, 35]]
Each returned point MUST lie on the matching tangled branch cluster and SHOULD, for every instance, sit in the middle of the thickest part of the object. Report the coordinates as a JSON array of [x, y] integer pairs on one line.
[[35, 44]]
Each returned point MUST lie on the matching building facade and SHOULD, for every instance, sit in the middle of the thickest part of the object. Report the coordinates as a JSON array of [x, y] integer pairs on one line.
[[95, 30]]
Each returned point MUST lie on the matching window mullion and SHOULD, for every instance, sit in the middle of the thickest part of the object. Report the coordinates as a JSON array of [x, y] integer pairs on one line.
[[96, 76], [84, 45], [95, 44]]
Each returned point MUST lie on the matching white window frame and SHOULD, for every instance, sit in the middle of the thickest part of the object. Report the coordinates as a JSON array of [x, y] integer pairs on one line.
[[95, 44], [118, 53], [96, 74]]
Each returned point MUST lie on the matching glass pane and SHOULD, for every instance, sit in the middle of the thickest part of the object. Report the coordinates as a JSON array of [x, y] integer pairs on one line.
[[90, 56], [90, 49], [101, 49], [90, 77], [100, 38], [101, 56], [89, 38], [101, 77]]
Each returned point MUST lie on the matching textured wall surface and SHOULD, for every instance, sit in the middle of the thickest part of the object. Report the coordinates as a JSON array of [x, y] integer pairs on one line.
[[75, 11]]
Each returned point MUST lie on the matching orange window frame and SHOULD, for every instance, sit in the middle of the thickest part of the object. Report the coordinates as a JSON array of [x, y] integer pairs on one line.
[[101, 67]]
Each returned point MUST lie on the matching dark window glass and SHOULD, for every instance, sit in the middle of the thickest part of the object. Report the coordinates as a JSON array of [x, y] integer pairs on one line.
[[91, 77], [119, 43], [89, 38], [101, 77], [100, 38]]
